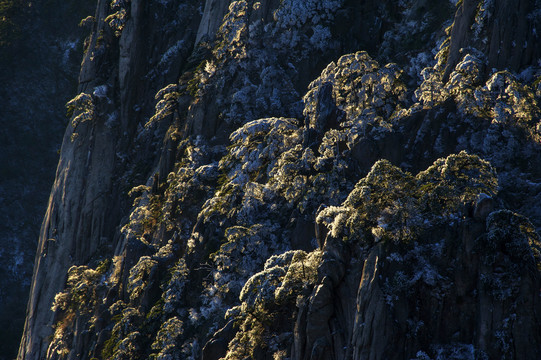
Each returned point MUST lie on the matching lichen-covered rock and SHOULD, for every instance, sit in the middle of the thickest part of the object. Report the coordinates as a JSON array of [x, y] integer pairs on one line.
[[392, 204], [141, 277], [428, 297], [363, 91], [268, 303], [166, 340]]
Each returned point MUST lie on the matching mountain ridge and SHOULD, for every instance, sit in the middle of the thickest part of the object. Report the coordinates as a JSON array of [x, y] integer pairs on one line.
[[269, 204]]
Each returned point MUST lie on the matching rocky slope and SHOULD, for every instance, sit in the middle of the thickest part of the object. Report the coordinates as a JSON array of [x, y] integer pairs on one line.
[[294, 196]]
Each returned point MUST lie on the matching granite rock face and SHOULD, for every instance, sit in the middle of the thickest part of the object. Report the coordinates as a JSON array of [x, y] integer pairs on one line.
[[506, 32], [89, 191], [40, 47], [293, 196]]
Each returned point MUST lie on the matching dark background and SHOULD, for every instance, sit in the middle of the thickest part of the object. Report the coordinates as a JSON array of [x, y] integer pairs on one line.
[[40, 52]]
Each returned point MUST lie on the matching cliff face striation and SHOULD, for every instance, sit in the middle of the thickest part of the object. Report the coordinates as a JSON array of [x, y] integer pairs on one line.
[[250, 179], [40, 46]]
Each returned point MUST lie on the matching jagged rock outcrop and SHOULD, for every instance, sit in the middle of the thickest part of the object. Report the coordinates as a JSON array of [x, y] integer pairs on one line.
[[235, 168], [453, 291], [505, 31]]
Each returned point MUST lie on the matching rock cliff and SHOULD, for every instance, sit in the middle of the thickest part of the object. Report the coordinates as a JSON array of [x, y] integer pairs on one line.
[[40, 47], [250, 179]]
